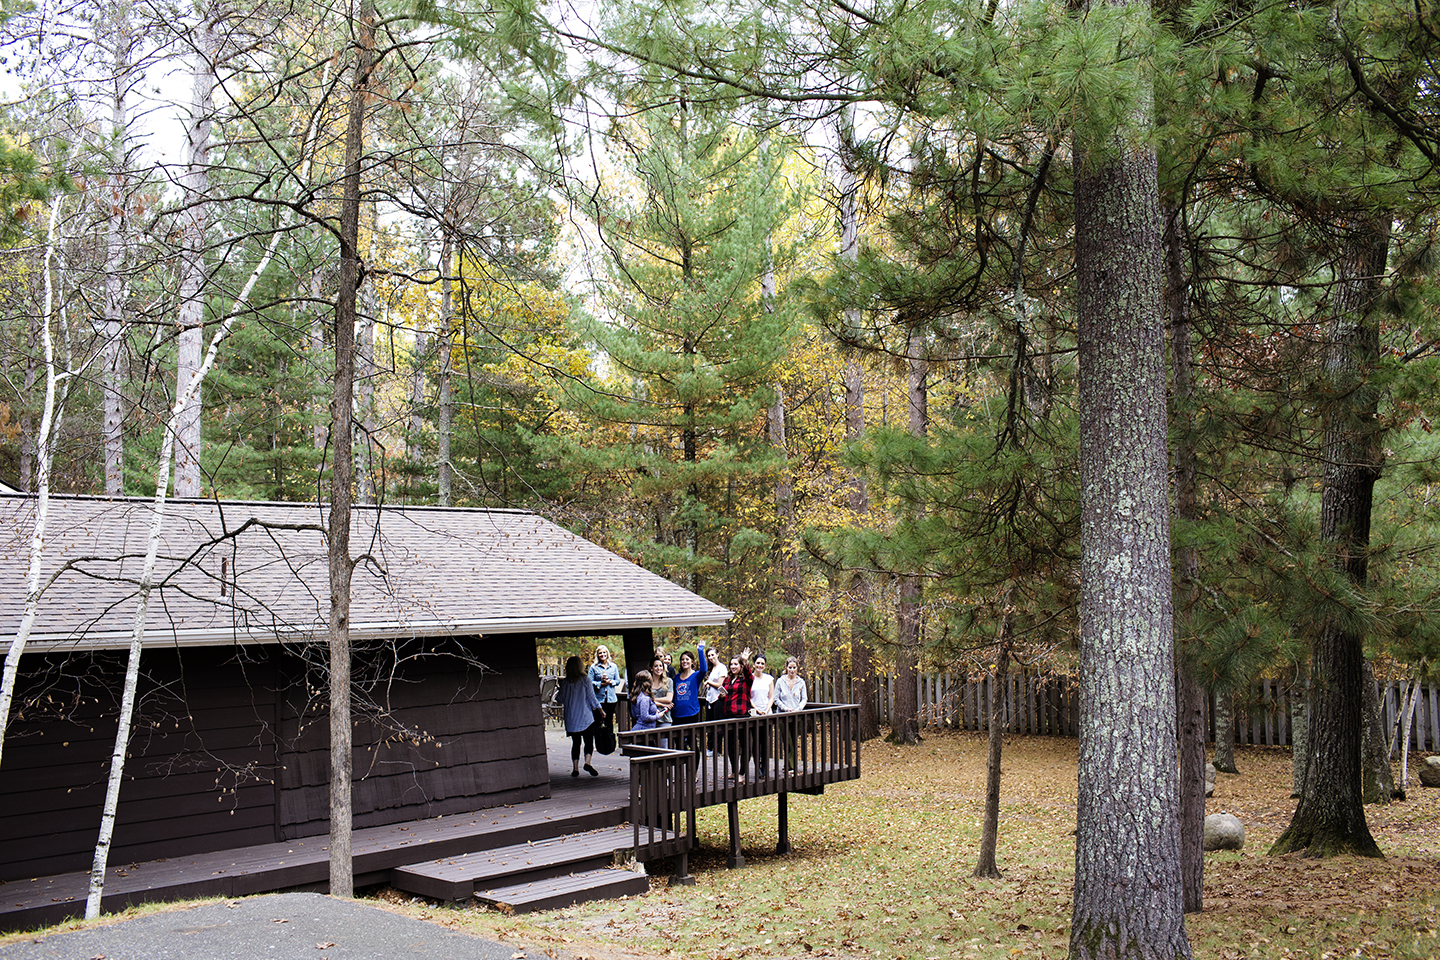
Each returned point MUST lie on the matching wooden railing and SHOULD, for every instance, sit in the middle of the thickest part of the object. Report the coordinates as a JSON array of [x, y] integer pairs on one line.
[[748, 757], [662, 803]]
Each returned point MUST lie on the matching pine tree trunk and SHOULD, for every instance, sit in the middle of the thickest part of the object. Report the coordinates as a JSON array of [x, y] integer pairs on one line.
[[1128, 899], [985, 866], [905, 725], [1189, 696], [1330, 817]]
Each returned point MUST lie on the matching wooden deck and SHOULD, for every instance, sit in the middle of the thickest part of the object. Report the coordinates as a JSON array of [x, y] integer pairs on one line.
[[574, 805], [653, 787]]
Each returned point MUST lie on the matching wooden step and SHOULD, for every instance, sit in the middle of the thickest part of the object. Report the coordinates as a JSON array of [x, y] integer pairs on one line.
[[565, 891], [458, 877]]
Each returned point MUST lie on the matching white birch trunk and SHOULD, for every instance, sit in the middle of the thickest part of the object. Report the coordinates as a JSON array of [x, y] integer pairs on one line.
[[116, 244], [1407, 719], [195, 222], [146, 583], [50, 417]]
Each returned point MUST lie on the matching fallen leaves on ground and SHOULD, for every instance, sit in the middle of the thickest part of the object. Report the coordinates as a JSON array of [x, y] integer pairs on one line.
[[881, 869]]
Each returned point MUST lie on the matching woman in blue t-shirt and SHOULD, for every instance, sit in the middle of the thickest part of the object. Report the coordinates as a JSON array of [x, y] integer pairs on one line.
[[687, 691]]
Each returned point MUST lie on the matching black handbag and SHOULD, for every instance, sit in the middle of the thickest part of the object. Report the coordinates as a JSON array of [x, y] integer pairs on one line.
[[604, 738]]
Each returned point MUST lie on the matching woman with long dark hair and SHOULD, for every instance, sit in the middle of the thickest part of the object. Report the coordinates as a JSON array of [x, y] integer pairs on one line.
[[582, 707]]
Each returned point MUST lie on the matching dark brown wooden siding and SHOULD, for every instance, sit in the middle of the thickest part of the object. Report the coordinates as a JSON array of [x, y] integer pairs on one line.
[[237, 766], [198, 777], [459, 730]]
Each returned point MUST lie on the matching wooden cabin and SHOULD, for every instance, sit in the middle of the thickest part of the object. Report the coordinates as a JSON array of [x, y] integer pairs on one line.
[[230, 743]]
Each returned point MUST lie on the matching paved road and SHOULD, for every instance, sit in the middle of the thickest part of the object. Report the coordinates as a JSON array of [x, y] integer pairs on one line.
[[292, 926]]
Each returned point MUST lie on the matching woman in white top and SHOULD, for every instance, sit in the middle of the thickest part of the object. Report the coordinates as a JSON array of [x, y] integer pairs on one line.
[[762, 699], [791, 697]]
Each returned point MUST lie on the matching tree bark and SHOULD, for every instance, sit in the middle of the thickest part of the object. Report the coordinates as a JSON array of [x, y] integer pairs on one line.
[[1330, 817], [1128, 898], [1378, 783], [905, 725], [1225, 730], [195, 225], [122, 38], [862, 660], [50, 416], [1299, 726], [445, 416], [1189, 696], [985, 866], [342, 872]]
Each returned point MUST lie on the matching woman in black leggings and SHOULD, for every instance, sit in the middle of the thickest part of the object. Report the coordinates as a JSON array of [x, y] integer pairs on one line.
[[581, 705]]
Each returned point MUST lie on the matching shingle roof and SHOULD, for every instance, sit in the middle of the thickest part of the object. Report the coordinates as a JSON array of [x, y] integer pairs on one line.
[[257, 572]]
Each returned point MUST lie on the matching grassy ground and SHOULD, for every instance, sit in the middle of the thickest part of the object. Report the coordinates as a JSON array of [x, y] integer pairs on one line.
[[881, 869]]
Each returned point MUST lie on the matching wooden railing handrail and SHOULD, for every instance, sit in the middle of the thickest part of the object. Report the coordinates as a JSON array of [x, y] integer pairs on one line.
[[743, 757]]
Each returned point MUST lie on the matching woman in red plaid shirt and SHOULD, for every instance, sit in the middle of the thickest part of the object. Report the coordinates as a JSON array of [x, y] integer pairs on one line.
[[735, 702]]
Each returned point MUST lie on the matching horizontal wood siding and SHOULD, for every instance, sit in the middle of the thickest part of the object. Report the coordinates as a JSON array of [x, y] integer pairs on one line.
[[198, 778], [456, 736]]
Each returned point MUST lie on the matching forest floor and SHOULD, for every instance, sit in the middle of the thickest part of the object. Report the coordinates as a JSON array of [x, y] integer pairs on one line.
[[881, 869]]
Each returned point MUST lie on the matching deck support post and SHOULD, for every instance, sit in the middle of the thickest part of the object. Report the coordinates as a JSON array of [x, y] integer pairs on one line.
[[737, 859], [784, 823], [682, 872]]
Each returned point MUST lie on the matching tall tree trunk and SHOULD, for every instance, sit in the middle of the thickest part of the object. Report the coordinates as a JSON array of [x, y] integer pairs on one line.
[[1377, 776], [1299, 726], [1128, 899], [792, 628], [342, 871], [862, 658], [905, 725], [144, 587], [195, 225], [319, 416], [1189, 696], [1330, 817], [990, 829], [365, 373], [1225, 730], [51, 414], [445, 416], [122, 40]]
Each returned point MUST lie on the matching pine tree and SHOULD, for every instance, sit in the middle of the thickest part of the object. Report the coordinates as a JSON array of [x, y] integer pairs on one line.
[[690, 350]]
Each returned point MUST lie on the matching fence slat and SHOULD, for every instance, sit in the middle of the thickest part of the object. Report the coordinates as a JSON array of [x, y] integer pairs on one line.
[[1048, 705]]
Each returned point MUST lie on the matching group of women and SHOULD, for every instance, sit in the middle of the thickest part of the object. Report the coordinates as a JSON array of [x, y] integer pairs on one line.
[[701, 688]]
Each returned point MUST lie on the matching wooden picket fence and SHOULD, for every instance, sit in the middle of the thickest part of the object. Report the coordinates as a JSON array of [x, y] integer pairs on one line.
[[1048, 704]]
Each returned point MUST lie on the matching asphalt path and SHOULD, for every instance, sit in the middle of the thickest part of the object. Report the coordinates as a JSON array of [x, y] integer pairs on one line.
[[286, 926]]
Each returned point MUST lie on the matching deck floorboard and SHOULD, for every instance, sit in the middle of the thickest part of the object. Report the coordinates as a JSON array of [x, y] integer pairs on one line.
[[575, 804]]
